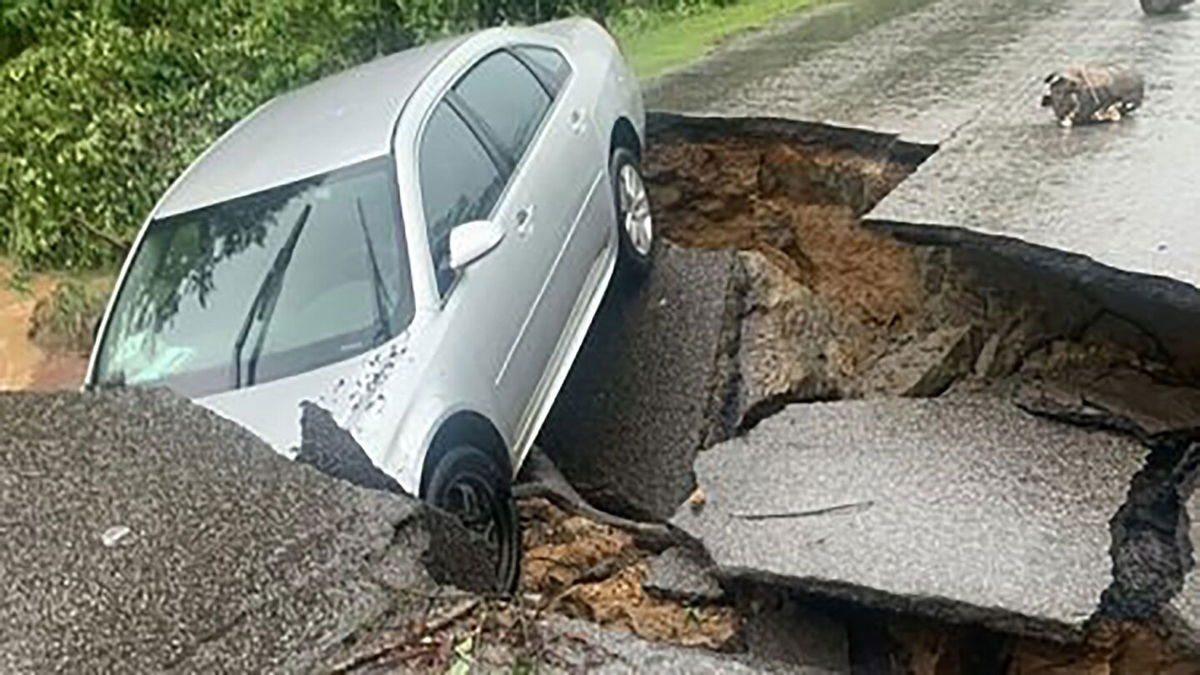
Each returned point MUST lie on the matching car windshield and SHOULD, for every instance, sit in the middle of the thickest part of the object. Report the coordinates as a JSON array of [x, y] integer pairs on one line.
[[263, 286]]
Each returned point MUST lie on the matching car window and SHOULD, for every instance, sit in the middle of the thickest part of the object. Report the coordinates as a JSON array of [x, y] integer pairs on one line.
[[459, 183], [194, 278], [505, 96], [550, 65]]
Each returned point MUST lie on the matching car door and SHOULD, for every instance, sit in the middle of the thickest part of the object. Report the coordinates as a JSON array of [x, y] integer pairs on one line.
[[517, 110], [479, 308]]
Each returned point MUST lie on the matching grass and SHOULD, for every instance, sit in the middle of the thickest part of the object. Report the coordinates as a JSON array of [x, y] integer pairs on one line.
[[655, 42]]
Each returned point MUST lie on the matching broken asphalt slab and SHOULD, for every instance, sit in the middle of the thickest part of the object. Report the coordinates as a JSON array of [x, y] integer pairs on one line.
[[961, 508], [144, 533], [645, 393], [1120, 194], [679, 573]]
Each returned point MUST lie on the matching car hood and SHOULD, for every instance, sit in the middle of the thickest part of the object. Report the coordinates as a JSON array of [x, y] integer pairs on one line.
[[365, 395]]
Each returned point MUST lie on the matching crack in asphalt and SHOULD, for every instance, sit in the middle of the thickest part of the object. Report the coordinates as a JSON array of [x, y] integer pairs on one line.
[[1152, 550]]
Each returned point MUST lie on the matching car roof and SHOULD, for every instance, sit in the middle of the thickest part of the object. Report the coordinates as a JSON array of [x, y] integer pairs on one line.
[[334, 122]]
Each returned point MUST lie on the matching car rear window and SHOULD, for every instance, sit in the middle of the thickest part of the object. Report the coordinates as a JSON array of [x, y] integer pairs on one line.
[[507, 97], [191, 289], [548, 64]]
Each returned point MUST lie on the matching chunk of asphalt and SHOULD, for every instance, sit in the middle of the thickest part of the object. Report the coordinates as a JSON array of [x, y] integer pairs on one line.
[[961, 508], [333, 451], [928, 366], [143, 533], [1152, 552], [679, 574], [1119, 399], [649, 386]]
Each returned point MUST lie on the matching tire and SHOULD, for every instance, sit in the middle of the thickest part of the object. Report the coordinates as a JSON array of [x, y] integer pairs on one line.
[[635, 223], [466, 473]]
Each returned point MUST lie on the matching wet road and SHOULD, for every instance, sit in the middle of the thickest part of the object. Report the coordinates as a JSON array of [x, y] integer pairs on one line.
[[967, 76]]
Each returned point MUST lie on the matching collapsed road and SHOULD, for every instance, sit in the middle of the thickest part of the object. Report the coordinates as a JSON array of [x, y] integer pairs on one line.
[[897, 420], [928, 233]]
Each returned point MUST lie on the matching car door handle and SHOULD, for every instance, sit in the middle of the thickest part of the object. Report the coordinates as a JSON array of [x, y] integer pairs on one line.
[[525, 220], [578, 120]]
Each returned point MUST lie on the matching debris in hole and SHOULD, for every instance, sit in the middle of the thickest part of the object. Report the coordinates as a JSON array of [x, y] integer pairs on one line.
[[586, 570], [681, 574], [927, 366], [1120, 399], [541, 478]]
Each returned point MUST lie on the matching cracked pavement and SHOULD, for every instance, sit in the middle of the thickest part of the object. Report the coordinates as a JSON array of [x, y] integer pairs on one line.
[[143, 533]]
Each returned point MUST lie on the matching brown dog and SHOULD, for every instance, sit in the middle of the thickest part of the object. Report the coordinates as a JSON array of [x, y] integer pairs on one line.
[[1093, 93]]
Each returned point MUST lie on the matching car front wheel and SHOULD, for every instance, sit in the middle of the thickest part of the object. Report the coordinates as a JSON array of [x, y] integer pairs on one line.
[[635, 224], [468, 483]]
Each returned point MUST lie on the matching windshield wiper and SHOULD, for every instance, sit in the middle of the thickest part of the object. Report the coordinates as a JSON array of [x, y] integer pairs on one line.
[[264, 303], [381, 300], [114, 381]]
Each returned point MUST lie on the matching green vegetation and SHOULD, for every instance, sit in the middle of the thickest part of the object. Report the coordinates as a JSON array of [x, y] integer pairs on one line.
[[104, 102], [64, 320], [658, 41]]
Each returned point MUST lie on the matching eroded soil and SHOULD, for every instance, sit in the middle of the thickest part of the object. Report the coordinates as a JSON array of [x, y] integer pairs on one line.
[[26, 362]]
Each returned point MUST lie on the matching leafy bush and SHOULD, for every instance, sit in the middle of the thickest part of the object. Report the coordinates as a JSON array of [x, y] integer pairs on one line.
[[104, 102]]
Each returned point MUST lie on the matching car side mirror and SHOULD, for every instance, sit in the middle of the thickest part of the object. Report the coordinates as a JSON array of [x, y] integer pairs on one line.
[[471, 241]]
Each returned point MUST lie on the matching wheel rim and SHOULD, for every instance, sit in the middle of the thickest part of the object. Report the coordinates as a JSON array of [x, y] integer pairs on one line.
[[635, 204], [473, 501]]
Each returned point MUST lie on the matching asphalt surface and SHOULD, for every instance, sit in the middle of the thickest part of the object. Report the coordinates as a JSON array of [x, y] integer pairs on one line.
[[967, 75], [962, 508], [141, 533]]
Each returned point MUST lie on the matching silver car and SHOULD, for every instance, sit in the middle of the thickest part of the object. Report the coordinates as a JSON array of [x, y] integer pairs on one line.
[[415, 247]]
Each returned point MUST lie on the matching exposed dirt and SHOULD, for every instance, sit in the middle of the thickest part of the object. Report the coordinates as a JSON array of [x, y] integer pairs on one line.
[[24, 363], [831, 309], [586, 570], [798, 208]]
